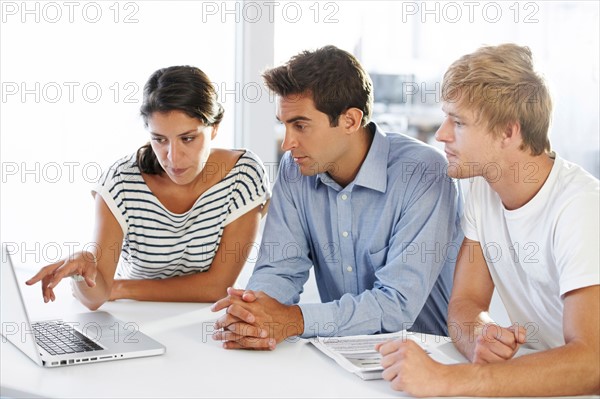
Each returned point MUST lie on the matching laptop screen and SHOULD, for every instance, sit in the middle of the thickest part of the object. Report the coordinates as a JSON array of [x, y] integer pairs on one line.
[[16, 327]]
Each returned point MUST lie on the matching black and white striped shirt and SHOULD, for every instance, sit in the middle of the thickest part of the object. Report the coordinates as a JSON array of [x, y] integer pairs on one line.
[[161, 244]]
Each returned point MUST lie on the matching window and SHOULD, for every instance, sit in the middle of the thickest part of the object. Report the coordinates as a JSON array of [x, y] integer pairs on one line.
[[72, 75], [414, 43]]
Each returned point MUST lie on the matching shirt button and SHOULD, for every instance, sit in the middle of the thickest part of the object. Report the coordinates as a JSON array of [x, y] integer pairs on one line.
[[345, 234], [344, 197], [349, 269]]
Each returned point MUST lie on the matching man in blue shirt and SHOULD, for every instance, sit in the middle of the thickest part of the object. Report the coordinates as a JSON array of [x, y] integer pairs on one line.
[[374, 213]]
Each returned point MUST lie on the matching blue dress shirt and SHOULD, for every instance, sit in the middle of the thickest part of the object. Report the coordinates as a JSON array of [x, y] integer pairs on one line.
[[383, 247]]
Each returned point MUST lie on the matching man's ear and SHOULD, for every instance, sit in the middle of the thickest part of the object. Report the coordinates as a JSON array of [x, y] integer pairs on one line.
[[351, 119], [214, 131], [511, 136]]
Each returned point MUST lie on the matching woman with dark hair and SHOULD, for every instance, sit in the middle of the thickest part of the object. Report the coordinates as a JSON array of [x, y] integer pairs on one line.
[[181, 216]]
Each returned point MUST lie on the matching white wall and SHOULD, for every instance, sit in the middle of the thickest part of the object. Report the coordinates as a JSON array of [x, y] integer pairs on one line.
[[71, 92], [52, 147]]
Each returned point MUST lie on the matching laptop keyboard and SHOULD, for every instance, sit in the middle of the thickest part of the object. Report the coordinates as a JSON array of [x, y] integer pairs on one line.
[[59, 338]]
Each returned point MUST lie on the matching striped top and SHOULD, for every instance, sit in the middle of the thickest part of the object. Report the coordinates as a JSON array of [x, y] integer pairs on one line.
[[158, 243]]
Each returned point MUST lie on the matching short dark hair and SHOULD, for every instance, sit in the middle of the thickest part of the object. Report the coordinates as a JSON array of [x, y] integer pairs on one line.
[[177, 88], [333, 77]]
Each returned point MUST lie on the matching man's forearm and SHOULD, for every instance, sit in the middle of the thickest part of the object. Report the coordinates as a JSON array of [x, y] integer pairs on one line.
[[295, 323], [465, 322], [572, 369]]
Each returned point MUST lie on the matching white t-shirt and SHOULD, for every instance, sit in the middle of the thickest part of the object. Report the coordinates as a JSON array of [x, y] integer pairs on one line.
[[541, 251]]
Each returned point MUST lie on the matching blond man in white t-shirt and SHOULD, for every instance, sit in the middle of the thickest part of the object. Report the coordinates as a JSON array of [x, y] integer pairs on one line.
[[531, 227]]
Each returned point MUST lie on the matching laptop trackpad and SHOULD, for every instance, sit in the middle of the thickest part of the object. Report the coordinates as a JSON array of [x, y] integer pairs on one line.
[[100, 326]]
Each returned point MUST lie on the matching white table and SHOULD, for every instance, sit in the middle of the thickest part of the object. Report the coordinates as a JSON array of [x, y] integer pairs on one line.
[[194, 365]]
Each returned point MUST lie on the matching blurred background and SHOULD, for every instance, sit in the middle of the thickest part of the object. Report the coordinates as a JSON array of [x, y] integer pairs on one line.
[[72, 75]]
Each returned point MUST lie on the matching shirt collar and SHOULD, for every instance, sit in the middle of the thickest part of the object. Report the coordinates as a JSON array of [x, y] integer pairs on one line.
[[373, 172]]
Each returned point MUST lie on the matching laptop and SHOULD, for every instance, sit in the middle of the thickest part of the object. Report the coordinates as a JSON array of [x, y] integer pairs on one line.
[[79, 339]]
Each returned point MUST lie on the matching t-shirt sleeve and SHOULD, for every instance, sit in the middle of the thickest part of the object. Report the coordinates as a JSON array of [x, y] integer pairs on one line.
[[576, 243], [251, 187], [469, 217], [111, 188]]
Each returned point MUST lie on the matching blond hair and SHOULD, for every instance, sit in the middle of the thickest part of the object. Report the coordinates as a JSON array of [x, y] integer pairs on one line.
[[499, 84]]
